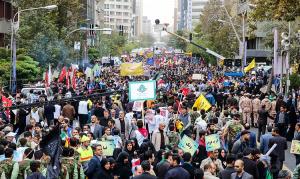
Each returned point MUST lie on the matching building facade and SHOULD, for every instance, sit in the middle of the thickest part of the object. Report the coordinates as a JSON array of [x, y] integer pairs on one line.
[[119, 12], [188, 13], [7, 11], [147, 26]]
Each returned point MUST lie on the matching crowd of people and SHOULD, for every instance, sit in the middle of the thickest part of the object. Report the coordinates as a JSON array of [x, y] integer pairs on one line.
[[146, 142]]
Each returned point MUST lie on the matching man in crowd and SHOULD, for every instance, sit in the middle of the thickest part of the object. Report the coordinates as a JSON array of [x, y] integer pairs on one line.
[[240, 172]]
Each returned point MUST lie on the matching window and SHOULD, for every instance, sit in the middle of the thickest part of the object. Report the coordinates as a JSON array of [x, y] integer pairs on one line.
[[118, 13], [126, 7], [125, 0], [118, 6], [112, 6], [125, 20], [126, 14], [106, 6], [119, 21], [119, 0], [112, 20], [112, 13]]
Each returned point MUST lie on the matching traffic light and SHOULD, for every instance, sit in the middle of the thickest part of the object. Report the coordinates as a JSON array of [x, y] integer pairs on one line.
[[228, 62], [121, 30], [238, 62], [285, 42]]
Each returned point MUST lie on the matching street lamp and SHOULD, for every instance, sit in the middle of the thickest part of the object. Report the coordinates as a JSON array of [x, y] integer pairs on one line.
[[13, 46], [107, 30]]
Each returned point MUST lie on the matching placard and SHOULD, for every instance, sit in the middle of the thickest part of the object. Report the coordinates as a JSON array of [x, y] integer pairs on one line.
[[108, 147], [212, 142], [142, 90], [164, 112], [137, 106], [295, 147], [198, 77], [187, 144]]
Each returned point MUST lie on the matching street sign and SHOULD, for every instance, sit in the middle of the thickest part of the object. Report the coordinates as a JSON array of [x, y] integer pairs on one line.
[[77, 46]]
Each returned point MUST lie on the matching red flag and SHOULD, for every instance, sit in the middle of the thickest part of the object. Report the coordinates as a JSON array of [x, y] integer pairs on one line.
[[74, 79], [185, 91], [62, 75], [6, 102], [46, 79], [67, 80]]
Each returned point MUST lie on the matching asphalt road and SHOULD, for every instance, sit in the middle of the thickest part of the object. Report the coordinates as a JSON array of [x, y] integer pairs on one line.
[[290, 160]]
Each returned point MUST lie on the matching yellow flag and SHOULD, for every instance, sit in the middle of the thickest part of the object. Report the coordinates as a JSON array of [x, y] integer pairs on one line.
[[150, 54], [221, 62], [250, 66], [202, 103], [131, 69]]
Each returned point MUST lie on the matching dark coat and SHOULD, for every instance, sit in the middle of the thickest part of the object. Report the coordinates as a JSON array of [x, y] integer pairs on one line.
[[93, 166], [189, 167], [123, 169], [145, 175], [250, 167], [162, 169], [177, 172], [36, 175], [226, 173], [49, 112], [281, 146], [263, 117], [103, 174]]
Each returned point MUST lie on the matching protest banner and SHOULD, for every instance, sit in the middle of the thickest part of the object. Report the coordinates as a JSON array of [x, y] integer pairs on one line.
[[164, 112], [295, 147], [131, 69], [137, 106], [198, 77], [212, 142], [142, 90], [187, 144], [108, 147]]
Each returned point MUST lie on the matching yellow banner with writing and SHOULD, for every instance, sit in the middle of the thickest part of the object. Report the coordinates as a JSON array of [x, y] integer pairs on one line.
[[202, 103], [131, 69]]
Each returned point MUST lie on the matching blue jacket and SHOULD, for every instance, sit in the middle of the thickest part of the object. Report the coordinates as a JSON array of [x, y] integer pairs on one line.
[[264, 142], [93, 166], [252, 141], [177, 172]]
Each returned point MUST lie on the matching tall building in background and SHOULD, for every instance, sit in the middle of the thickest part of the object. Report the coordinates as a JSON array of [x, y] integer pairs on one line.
[[197, 7], [147, 26], [119, 12], [7, 11], [137, 19], [176, 16], [188, 14]]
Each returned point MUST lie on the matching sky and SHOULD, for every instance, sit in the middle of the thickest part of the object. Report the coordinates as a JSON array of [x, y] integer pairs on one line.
[[159, 9]]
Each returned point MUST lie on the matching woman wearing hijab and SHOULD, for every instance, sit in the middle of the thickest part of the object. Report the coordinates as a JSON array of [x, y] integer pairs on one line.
[[104, 171], [123, 168], [129, 149]]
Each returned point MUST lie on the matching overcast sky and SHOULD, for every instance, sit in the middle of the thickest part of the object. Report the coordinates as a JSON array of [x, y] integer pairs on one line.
[[159, 9]]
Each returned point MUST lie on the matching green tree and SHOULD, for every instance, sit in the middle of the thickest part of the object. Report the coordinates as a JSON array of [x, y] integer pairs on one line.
[[176, 42], [27, 69], [146, 40], [286, 10]]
